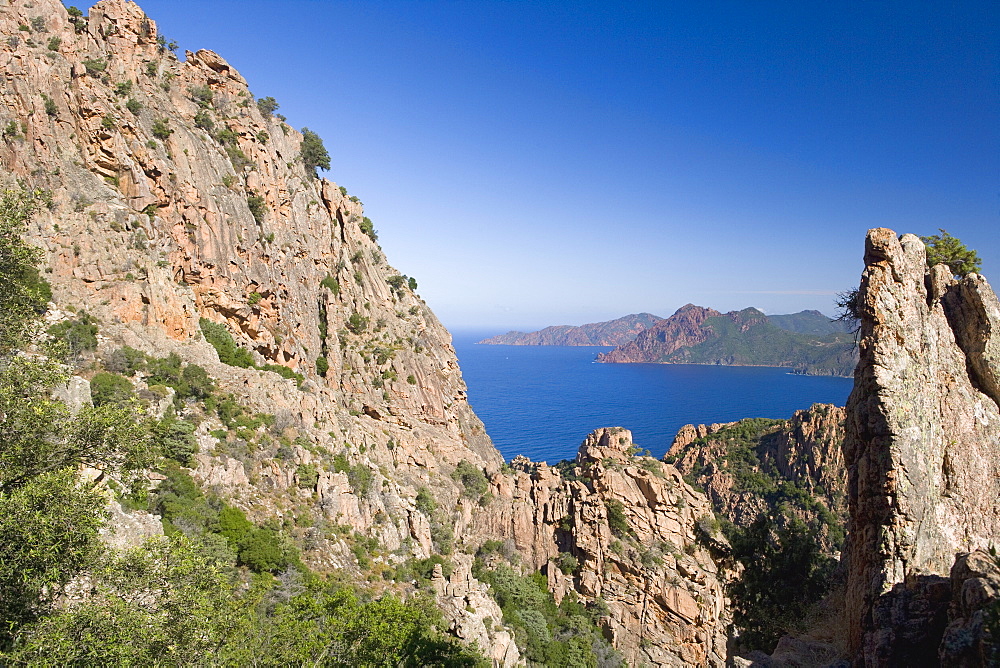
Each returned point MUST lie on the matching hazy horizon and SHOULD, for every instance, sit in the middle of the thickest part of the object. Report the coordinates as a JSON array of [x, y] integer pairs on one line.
[[539, 163]]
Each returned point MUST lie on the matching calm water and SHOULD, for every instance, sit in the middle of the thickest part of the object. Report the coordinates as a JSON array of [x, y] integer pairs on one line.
[[542, 401]]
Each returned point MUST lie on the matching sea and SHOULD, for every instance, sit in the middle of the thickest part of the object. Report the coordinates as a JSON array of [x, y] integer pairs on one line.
[[542, 401]]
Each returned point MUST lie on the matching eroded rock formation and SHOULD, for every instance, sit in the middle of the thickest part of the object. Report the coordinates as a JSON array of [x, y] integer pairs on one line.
[[643, 541]]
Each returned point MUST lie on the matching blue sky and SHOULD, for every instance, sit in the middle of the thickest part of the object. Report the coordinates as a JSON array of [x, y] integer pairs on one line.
[[538, 163]]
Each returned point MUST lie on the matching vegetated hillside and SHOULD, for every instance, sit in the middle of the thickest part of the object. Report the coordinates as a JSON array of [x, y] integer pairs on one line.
[[304, 457], [780, 488], [695, 335], [809, 322], [610, 333]]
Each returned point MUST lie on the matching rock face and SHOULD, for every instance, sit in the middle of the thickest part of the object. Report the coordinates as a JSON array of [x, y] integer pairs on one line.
[[473, 613], [923, 425], [611, 333], [642, 538], [804, 341], [174, 198]]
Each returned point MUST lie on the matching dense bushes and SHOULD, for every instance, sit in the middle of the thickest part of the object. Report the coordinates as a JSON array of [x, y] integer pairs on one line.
[[786, 552], [225, 345], [474, 482], [110, 388], [78, 335], [199, 610], [547, 634]]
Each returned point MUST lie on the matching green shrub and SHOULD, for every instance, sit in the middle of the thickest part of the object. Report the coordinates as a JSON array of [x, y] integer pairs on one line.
[[331, 284], [369, 228], [79, 335], [55, 43], [616, 518], [258, 207], [567, 563], [197, 382], [201, 95], [95, 66], [322, 366], [50, 105], [234, 525], [412, 284], [357, 323], [284, 372], [472, 478], [411, 379], [110, 388], [313, 153], [267, 105], [224, 344], [254, 298], [161, 130], [176, 440], [308, 475], [203, 120], [425, 502]]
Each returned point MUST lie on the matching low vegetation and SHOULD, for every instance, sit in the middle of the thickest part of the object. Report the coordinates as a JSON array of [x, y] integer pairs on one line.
[[547, 634]]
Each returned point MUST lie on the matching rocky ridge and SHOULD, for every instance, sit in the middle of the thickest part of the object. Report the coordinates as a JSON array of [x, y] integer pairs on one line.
[[804, 450], [642, 541]]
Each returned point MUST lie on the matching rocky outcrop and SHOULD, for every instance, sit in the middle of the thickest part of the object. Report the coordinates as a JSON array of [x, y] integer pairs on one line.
[[611, 333], [696, 335], [643, 541], [923, 424], [804, 450], [472, 613]]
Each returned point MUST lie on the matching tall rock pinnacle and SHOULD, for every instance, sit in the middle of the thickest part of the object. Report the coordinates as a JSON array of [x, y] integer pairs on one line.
[[923, 427]]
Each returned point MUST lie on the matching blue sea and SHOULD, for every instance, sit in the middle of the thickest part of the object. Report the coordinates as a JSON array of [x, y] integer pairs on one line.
[[542, 401]]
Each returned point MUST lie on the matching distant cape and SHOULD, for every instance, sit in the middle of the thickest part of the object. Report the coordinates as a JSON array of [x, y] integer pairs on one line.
[[611, 333], [808, 342]]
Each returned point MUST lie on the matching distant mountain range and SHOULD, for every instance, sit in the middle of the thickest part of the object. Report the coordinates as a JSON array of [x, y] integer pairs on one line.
[[808, 341], [611, 333]]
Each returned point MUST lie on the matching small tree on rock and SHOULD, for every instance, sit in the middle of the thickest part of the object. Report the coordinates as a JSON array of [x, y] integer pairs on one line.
[[946, 249], [314, 154]]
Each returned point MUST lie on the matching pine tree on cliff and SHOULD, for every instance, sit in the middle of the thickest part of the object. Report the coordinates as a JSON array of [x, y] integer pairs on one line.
[[314, 154], [946, 249]]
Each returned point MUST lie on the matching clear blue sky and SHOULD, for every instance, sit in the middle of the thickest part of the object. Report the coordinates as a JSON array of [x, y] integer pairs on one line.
[[537, 163]]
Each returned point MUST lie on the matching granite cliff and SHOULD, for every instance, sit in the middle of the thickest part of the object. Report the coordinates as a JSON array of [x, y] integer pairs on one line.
[[248, 305], [806, 341], [611, 333]]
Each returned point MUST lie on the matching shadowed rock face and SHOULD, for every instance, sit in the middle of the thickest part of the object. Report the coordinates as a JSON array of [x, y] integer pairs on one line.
[[922, 432]]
